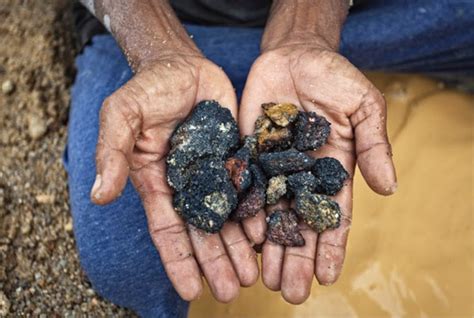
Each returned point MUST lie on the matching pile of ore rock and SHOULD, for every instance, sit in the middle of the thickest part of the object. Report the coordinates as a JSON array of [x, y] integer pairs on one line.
[[216, 176]]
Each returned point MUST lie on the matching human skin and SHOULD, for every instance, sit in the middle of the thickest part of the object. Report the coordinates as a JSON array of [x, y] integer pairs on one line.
[[299, 63], [136, 122]]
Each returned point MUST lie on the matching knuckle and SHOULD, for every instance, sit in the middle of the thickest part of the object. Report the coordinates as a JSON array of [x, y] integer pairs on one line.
[[375, 100], [158, 231]]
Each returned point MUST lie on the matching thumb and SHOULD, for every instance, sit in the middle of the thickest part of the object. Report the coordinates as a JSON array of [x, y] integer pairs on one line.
[[119, 126], [374, 153]]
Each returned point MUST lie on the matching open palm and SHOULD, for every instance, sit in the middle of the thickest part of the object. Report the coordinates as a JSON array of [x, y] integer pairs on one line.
[[322, 81], [136, 123]]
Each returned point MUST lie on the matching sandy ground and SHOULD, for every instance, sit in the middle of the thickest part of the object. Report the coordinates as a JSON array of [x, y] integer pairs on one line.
[[39, 268]]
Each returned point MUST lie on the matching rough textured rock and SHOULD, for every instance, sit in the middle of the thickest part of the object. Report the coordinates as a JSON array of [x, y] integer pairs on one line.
[[318, 211], [311, 131], [209, 131], [281, 114], [261, 124], [330, 175], [208, 198], [239, 173], [275, 139], [301, 181], [248, 151], [285, 162], [204, 195], [276, 189], [238, 165], [252, 201], [283, 228]]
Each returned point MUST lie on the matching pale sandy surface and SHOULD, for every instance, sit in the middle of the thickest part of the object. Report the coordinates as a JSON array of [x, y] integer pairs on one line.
[[409, 255]]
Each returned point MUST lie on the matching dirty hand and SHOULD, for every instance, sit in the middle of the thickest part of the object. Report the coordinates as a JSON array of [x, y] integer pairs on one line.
[[136, 123], [320, 80]]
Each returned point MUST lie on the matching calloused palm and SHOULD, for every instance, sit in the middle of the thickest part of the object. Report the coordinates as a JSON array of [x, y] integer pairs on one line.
[[325, 82], [136, 123]]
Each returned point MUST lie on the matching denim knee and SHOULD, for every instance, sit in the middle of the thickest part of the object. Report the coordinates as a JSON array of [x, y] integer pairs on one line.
[[119, 258]]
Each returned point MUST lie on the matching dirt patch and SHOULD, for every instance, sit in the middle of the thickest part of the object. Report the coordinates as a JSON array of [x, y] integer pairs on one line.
[[39, 267]]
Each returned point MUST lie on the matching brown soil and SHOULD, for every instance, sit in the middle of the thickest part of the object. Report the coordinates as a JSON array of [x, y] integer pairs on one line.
[[39, 267]]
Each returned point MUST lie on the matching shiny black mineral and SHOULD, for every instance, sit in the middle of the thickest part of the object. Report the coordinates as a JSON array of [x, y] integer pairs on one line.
[[318, 211], [330, 175], [283, 228], [311, 131], [208, 198], [209, 132], [204, 193], [301, 181], [285, 162]]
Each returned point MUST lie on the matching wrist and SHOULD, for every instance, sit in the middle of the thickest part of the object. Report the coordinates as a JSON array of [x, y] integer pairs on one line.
[[146, 30], [165, 53], [305, 22], [296, 39]]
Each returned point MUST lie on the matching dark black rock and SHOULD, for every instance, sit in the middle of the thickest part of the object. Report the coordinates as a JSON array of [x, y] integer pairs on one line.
[[208, 198], [330, 176], [283, 228], [209, 131], [311, 131], [204, 194], [248, 151], [285, 162], [301, 181]]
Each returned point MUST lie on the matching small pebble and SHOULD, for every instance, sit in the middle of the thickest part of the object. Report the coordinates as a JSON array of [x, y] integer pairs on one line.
[[4, 305], [8, 87], [36, 126], [45, 198], [68, 226]]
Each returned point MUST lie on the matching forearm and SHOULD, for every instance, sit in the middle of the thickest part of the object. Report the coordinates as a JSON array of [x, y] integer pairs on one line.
[[304, 21], [146, 30]]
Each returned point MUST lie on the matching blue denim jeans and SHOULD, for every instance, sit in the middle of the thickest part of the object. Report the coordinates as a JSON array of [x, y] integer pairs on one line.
[[115, 249]]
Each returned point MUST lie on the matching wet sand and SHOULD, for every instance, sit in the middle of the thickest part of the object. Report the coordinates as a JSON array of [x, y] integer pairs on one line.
[[410, 254]]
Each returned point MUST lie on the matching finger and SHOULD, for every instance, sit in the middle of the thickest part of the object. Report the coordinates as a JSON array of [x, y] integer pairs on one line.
[[119, 126], [349, 92], [272, 256], [242, 255], [255, 228], [374, 153], [215, 264], [331, 244], [168, 231], [298, 269]]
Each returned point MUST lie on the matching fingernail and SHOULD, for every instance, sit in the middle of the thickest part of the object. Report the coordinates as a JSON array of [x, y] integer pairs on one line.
[[95, 188]]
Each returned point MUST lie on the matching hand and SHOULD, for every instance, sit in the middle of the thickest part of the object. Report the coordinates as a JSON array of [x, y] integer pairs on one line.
[[320, 80], [136, 123]]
